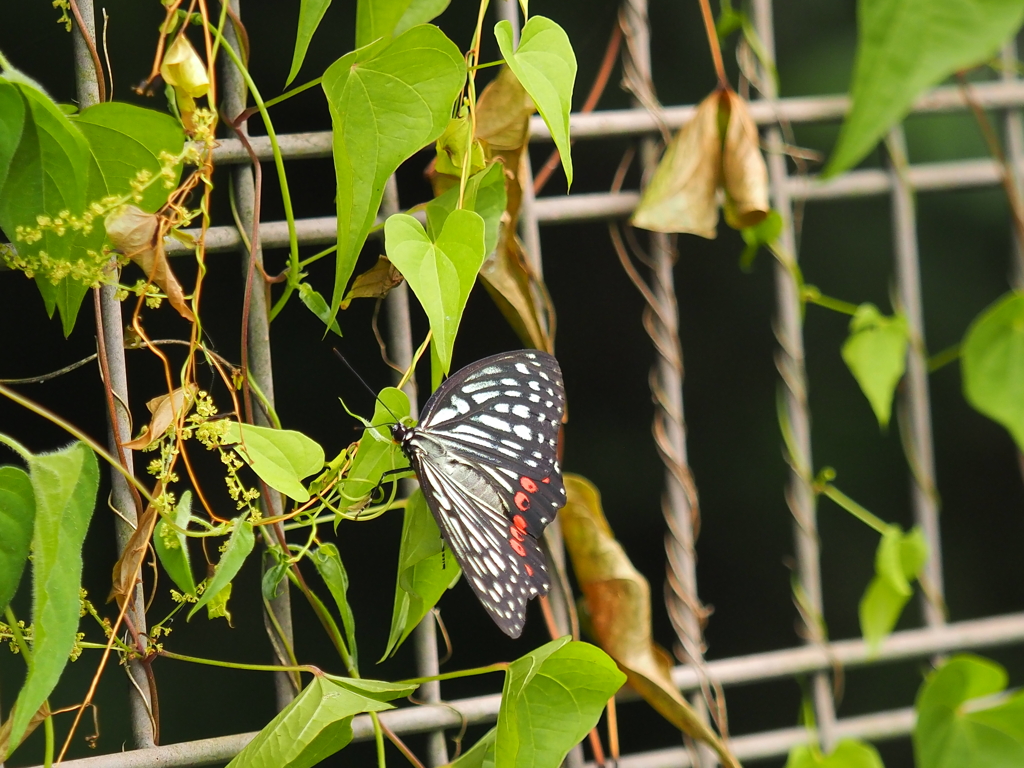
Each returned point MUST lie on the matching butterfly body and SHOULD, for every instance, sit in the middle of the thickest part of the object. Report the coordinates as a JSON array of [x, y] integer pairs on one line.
[[485, 453]]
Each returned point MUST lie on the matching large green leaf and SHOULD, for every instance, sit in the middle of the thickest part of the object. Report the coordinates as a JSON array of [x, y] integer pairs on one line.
[[316, 724], [481, 754], [65, 484], [907, 46], [552, 697], [947, 735], [545, 64], [172, 546], [46, 176], [328, 563], [898, 560], [876, 353], [847, 754], [441, 272], [378, 452], [382, 18], [311, 13], [238, 548], [992, 361], [424, 571], [281, 457], [388, 100], [17, 514]]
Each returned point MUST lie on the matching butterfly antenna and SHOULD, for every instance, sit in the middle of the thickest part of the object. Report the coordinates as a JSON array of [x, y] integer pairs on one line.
[[363, 382]]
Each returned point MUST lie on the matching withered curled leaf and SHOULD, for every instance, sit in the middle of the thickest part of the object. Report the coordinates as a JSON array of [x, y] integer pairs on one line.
[[139, 236], [374, 283], [717, 150], [165, 410], [183, 69], [503, 113], [128, 566], [618, 601], [515, 291]]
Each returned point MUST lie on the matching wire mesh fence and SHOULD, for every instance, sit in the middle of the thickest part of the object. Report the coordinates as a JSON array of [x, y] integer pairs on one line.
[[819, 657]]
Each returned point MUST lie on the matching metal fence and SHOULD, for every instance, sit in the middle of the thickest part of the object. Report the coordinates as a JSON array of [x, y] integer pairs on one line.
[[819, 656]]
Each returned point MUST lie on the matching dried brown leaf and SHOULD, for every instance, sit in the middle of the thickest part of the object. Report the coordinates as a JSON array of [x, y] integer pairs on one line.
[[374, 283], [503, 113], [682, 194], [128, 566], [618, 600], [138, 235], [744, 173], [513, 287], [165, 410]]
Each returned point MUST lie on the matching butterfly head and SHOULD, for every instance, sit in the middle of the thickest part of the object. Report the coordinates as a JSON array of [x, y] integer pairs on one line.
[[399, 432]]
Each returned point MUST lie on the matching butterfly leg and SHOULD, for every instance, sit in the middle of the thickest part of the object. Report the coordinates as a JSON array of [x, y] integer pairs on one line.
[[379, 487]]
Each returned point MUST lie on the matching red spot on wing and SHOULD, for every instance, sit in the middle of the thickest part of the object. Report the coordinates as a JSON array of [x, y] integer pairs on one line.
[[517, 533], [519, 522], [522, 501], [546, 480], [529, 570], [528, 484], [520, 550]]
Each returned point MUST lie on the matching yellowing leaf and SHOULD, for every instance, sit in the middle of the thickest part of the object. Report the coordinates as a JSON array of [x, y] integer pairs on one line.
[[744, 174], [166, 410]]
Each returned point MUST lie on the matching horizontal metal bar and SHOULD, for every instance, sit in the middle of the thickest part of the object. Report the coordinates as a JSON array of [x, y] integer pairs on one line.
[[564, 209], [910, 644], [758, 746], [632, 122]]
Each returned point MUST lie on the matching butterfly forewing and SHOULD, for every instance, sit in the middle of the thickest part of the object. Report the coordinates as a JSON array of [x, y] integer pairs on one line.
[[485, 452]]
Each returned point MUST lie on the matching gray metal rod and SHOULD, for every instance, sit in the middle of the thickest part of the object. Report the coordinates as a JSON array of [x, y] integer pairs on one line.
[[118, 423], [259, 356], [901, 646], [915, 399], [631, 122], [790, 361]]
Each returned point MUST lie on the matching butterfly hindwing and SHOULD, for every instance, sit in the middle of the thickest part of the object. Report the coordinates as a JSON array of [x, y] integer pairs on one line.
[[485, 452]]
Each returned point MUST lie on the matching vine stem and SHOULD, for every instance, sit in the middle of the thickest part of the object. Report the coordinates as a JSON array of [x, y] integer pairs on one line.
[[713, 43], [239, 665], [871, 520], [471, 60], [500, 666]]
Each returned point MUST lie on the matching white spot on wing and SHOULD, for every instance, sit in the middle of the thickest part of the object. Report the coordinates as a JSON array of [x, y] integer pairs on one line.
[[521, 411], [482, 397], [522, 368], [501, 407], [476, 386], [494, 423]]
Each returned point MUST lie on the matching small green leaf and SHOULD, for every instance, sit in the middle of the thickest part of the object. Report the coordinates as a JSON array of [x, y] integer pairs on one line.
[[564, 686], [382, 18], [425, 572], [281, 457], [217, 607], [17, 514], [238, 548], [485, 194], [992, 361], [388, 100], [316, 724], [947, 735], [762, 234], [172, 546], [481, 754], [441, 273], [311, 13], [378, 452], [379, 690], [65, 485], [898, 560], [328, 563], [876, 354], [545, 64], [847, 754], [318, 305], [905, 47]]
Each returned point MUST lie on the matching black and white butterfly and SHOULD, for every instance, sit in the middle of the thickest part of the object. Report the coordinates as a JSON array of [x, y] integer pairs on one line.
[[485, 454]]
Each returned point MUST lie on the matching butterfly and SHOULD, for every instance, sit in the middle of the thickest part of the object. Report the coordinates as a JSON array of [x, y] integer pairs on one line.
[[485, 453]]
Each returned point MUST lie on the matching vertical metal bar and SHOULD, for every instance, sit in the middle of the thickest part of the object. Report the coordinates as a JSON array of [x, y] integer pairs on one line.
[[118, 430], [261, 370], [790, 362], [1014, 126], [400, 345], [915, 399], [679, 499]]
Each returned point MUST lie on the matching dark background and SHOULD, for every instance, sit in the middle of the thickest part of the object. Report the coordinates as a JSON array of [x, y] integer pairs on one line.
[[726, 324]]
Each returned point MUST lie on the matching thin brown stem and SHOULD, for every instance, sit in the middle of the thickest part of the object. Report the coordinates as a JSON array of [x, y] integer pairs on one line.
[[101, 82], [716, 48]]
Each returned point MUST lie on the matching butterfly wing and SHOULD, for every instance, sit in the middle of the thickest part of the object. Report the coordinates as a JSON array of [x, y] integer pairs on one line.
[[485, 452]]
